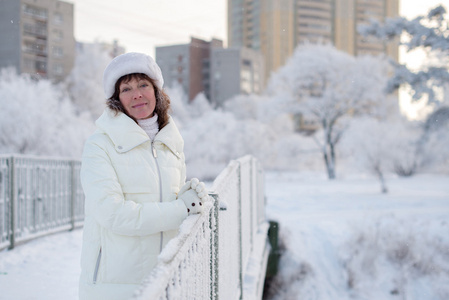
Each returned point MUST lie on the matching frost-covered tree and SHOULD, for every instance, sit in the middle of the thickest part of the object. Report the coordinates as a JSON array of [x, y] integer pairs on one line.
[[430, 33], [383, 146], [85, 81], [434, 142], [367, 143], [244, 106], [328, 86], [37, 117]]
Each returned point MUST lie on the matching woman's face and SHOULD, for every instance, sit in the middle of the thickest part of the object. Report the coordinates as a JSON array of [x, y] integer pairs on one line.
[[137, 97]]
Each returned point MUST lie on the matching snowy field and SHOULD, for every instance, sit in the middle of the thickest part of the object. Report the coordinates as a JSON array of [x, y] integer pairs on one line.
[[346, 240], [343, 239]]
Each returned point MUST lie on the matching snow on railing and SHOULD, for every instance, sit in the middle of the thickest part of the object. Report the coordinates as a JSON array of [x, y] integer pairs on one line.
[[38, 196], [222, 253]]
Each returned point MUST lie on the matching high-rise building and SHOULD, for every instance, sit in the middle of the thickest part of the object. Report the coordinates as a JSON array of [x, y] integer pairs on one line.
[[37, 37], [276, 27], [262, 25]]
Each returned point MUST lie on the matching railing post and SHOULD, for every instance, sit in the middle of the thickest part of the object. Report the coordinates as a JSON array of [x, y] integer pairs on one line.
[[214, 248], [239, 174], [73, 194], [251, 203], [13, 202]]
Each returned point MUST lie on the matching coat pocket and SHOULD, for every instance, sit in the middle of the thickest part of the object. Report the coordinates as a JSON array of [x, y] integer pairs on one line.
[[97, 267]]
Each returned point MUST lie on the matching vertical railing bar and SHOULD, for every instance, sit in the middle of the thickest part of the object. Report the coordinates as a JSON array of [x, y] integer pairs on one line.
[[73, 194], [12, 203], [214, 222], [251, 197], [239, 180]]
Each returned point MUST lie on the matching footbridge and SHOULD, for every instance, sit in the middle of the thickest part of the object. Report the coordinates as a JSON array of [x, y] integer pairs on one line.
[[220, 254]]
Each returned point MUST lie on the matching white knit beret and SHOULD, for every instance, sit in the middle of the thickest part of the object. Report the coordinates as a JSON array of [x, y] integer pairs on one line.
[[129, 63]]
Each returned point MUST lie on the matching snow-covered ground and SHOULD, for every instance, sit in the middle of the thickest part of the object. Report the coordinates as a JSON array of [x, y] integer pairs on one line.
[[346, 240], [343, 239]]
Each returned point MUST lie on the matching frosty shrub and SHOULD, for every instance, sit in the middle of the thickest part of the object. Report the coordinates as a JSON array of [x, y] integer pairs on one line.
[[406, 153], [368, 143], [38, 118], [398, 258], [215, 138], [85, 82], [382, 146], [246, 125]]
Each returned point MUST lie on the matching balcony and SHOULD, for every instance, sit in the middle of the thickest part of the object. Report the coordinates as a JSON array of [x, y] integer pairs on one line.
[[35, 12], [36, 48], [37, 31]]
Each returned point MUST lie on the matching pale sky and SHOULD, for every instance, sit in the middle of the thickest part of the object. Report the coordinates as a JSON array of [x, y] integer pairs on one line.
[[141, 25]]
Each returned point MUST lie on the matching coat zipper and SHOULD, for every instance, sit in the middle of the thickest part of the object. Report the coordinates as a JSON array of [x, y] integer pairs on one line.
[[160, 187], [97, 266]]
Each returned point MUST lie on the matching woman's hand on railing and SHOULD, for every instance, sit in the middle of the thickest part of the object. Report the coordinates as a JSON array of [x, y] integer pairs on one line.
[[194, 194], [200, 189], [192, 202]]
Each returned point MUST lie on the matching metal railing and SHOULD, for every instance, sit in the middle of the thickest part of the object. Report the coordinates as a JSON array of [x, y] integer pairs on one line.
[[222, 253], [38, 196]]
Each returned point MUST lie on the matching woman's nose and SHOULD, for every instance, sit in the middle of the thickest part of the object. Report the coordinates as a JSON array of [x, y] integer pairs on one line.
[[137, 94]]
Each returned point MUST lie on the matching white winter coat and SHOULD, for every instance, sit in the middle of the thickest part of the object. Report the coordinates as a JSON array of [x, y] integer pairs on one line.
[[131, 212]]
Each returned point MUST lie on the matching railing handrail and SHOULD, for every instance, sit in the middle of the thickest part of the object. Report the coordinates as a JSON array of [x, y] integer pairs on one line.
[[43, 195], [39, 157], [169, 279]]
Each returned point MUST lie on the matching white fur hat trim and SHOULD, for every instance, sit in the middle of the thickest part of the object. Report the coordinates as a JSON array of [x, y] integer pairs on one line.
[[129, 63]]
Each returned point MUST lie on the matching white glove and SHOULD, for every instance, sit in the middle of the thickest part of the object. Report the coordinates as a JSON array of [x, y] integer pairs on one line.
[[192, 201], [194, 194], [200, 189], [187, 186]]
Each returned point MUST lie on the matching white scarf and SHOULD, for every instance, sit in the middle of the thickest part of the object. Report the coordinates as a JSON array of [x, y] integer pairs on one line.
[[150, 126]]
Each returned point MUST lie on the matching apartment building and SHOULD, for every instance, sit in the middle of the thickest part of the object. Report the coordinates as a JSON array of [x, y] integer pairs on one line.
[[188, 65], [112, 49], [276, 27], [207, 67], [37, 37], [235, 71]]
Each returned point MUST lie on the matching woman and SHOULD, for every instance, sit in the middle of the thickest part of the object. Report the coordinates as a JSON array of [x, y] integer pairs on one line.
[[133, 176]]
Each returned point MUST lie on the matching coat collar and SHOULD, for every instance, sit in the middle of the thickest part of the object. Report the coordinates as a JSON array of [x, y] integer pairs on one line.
[[126, 134]]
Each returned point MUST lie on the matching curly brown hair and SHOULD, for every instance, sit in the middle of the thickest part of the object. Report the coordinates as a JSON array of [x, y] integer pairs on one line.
[[162, 100]]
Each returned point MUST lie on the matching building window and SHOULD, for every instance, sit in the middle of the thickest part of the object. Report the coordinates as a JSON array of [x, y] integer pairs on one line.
[[246, 62], [58, 51], [58, 35], [41, 67], [58, 69], [28, 64], [58, 18]]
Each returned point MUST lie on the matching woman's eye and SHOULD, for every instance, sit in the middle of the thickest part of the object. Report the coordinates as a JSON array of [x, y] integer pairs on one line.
[[144, 85], [125, 90]]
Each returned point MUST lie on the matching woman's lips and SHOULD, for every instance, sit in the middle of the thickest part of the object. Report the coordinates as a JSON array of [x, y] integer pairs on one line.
[[139, 105]]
